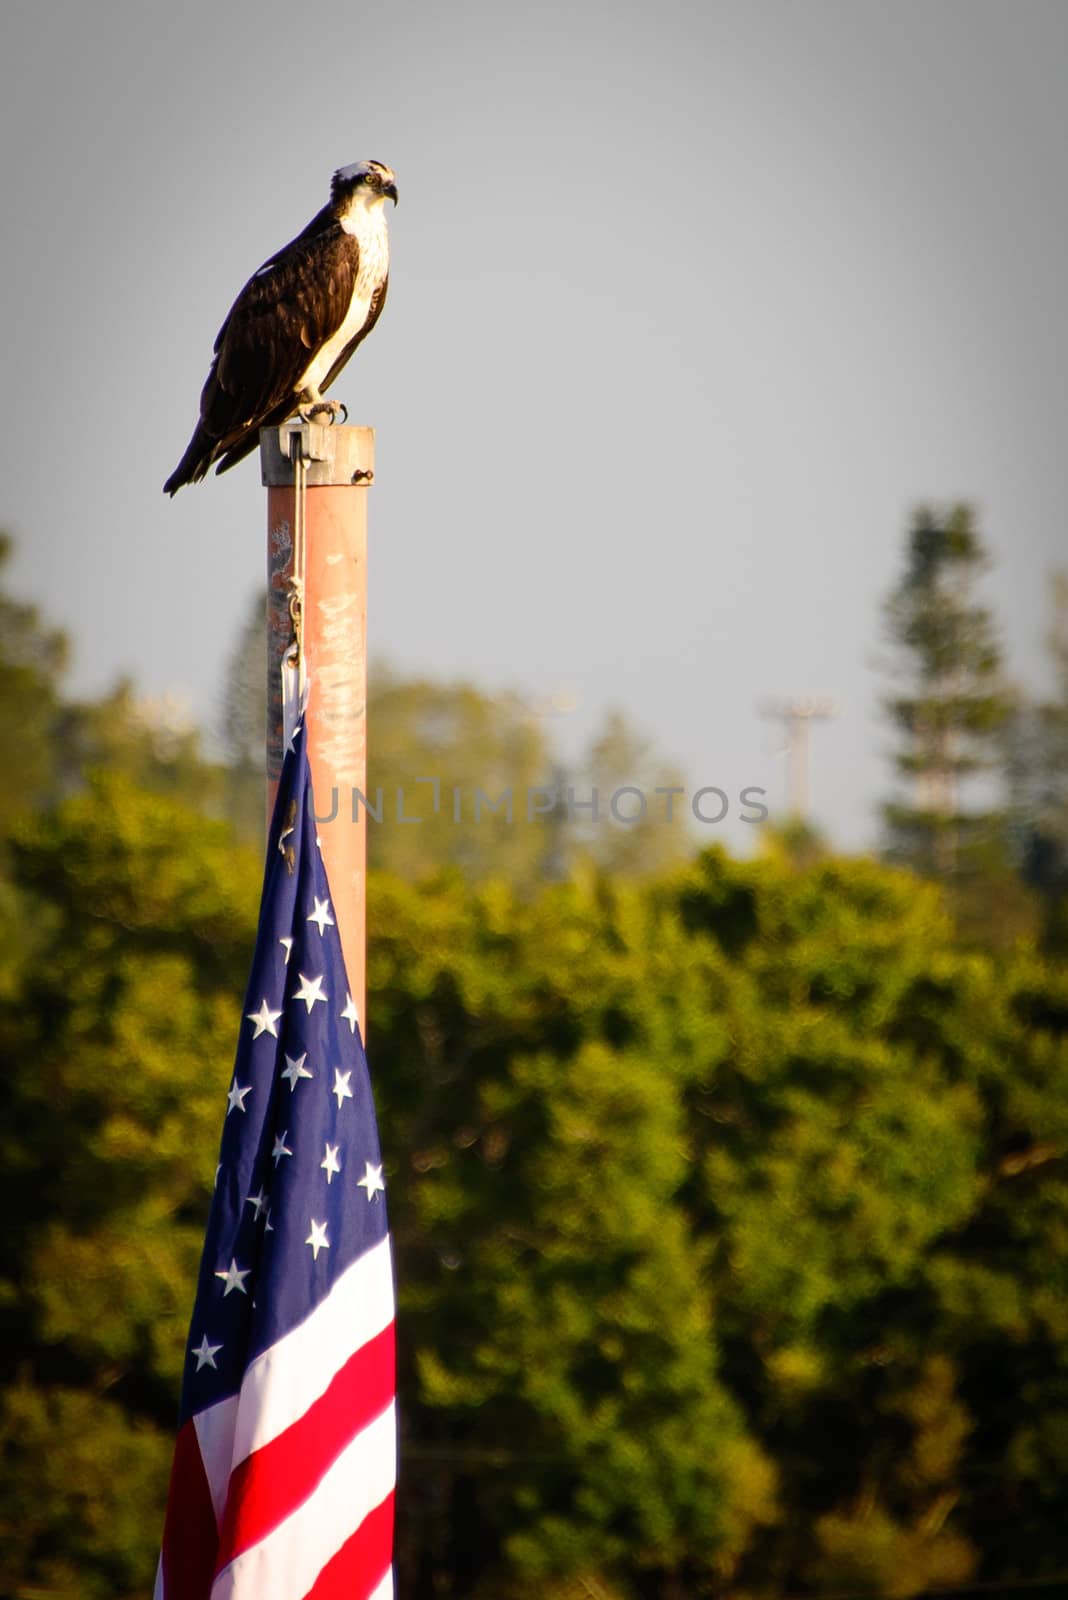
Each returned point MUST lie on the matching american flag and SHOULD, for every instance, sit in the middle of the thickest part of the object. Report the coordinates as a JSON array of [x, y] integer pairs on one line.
[[285, 1462]]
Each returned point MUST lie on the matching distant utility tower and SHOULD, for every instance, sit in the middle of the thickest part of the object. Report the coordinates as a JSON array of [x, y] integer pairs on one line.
[[796, 717]]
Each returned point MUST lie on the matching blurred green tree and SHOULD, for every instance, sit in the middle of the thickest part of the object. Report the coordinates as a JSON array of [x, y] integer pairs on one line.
[[730, 1214], [33, 658], [730, 1204], [125, 937], [636, 833], [462, 761], [1037, 766], [243, 725], [884, 1178], [950, 711]]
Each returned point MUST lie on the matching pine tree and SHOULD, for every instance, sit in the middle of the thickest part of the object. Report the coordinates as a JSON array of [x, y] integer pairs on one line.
[[1036, 757], [952, 703]]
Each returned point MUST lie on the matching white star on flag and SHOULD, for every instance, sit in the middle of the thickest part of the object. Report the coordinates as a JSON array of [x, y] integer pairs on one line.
[[280, 1148], [295, 1070], [206, 1353], [287, 946], [371, 1181], [234, 1277], [258, 1200], [341, 1086], [264, 1020], [321, 915], [330, 1162], [311, 990], [350, 1013], [317, 1238], [236, 1100]]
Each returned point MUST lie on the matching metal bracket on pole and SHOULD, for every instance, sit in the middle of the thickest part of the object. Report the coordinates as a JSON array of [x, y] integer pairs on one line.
[[307, 439], [332, 454]]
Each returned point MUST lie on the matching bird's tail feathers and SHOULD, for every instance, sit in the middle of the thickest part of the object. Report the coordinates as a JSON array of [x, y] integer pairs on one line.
[[198, 457]]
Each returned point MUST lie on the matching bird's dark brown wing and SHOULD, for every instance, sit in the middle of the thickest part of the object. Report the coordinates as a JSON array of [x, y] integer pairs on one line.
[[244, 445], [286, 310], [296, 301]]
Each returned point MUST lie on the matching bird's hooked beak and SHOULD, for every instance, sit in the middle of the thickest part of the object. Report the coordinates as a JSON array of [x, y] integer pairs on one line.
[[390, 191]]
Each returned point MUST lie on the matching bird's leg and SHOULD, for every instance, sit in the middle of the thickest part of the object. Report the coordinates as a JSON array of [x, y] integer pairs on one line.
[[313, 406]]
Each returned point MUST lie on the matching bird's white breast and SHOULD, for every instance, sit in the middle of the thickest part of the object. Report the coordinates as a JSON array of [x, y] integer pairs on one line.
[[367, 224]]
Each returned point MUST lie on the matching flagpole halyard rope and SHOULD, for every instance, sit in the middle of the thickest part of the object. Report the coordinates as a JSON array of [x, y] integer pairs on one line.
[[299, 572], [297, 447]]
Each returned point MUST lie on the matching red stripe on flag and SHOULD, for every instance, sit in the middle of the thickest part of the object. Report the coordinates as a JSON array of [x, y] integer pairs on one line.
[[362, 1562], [270, 1483], [190, 1537]]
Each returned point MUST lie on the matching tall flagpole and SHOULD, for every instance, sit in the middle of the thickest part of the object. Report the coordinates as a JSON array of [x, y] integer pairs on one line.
[[327, 515]]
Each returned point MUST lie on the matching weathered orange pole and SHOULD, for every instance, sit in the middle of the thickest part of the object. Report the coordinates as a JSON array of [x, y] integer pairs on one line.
[[339, 466]]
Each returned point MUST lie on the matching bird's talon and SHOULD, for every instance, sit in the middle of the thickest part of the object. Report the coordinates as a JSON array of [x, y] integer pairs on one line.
[[321, 408]]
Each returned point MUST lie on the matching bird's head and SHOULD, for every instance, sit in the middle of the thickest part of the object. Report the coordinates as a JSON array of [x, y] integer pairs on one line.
[[366, 183]]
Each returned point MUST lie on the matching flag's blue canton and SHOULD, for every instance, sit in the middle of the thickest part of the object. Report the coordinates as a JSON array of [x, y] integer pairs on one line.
[[299, 1192]]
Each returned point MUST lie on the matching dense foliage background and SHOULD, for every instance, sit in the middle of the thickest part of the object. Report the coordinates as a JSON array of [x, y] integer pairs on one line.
[[730, 1198]]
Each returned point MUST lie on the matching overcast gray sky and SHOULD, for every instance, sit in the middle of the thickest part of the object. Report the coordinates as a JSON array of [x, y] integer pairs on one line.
[[690, 304]]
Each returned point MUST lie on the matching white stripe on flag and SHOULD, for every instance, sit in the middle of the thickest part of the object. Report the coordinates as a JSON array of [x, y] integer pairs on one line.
[[215, 1436], [281, 1384], [287, 1562], [384, 1590]]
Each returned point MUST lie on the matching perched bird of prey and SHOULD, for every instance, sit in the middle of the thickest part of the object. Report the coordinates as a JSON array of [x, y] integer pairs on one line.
[[295, 324]]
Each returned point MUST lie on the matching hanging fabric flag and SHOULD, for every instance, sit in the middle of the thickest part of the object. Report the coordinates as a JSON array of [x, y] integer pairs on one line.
[[285, 1462]]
